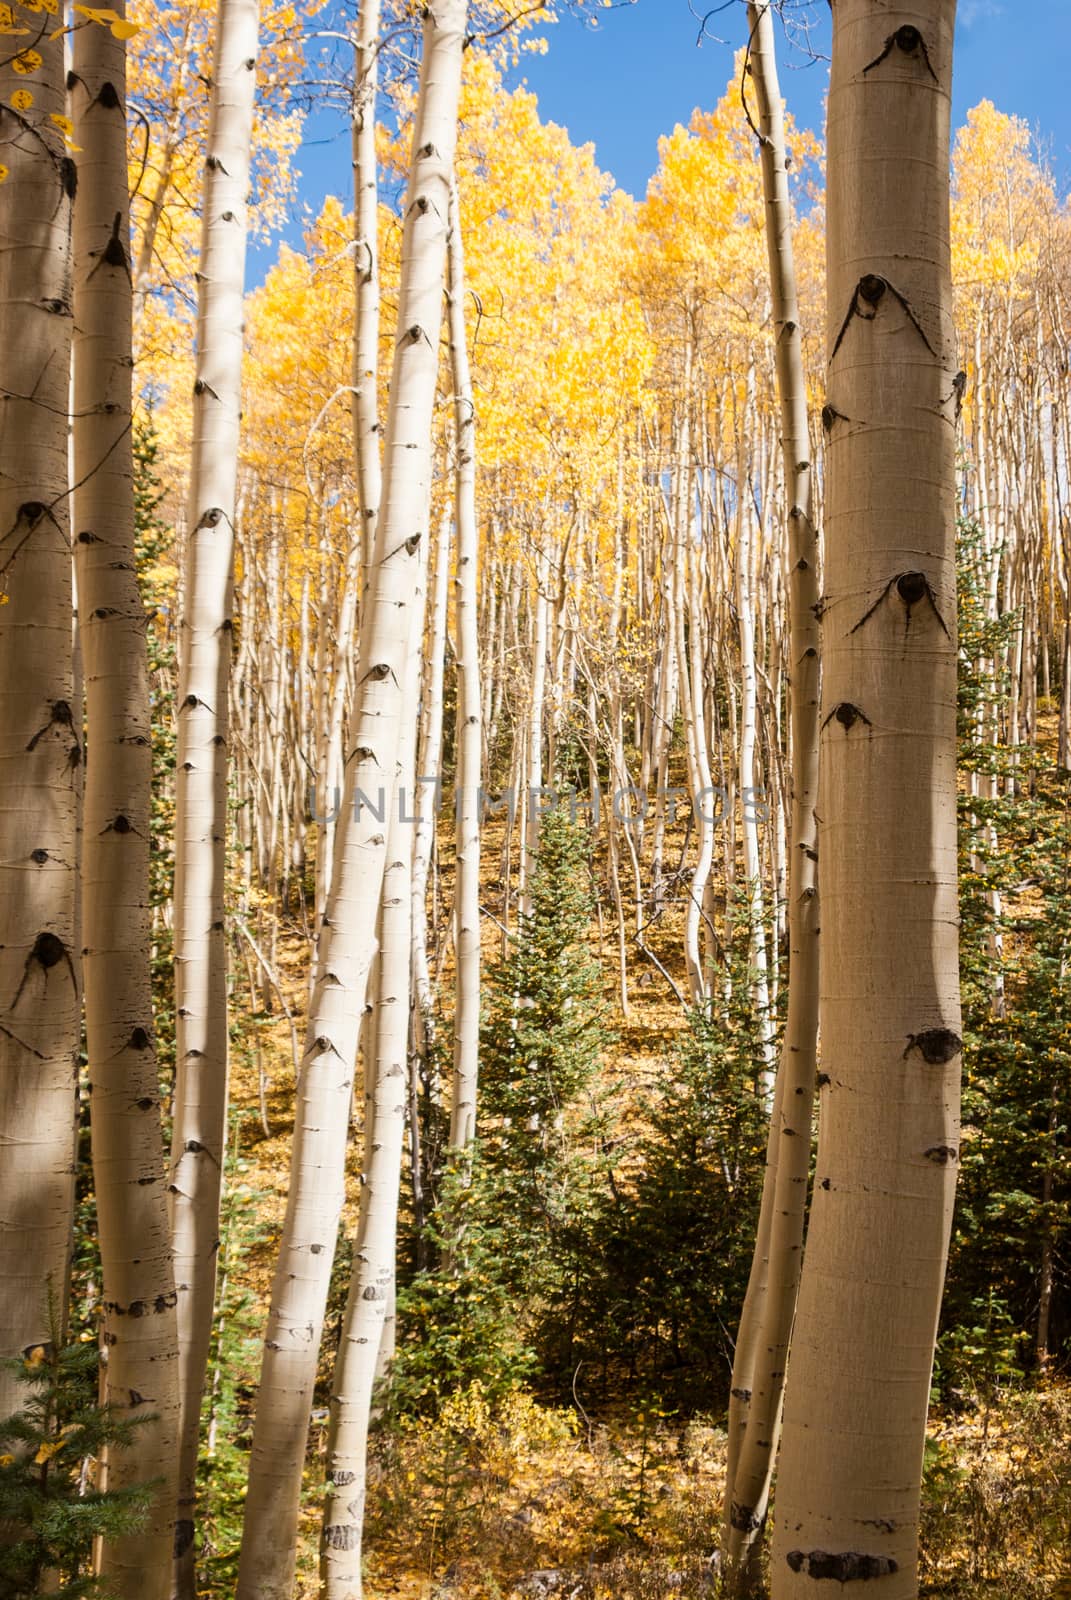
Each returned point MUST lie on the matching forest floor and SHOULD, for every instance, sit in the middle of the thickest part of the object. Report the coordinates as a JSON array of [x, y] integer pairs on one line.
[[535, 1502], [532, 1501]]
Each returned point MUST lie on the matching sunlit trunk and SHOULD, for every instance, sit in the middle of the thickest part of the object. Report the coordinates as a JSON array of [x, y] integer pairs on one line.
[[849, 1477]]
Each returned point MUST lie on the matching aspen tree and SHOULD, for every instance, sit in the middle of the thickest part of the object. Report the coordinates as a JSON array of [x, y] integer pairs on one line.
[[750, 789], [469, 734], [534, 769], [347, 938], [366, 274], [40, 747], [426, 800], [139, 1329], [365, 416], [689, 651], [862, 1350], [200, 1100], [370, 1301], [766, 1319]]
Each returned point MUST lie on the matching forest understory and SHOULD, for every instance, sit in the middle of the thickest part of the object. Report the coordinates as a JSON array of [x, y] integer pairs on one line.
[[609, 1496]]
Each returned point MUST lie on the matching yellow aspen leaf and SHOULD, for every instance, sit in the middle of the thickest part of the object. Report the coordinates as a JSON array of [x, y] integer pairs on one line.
[[125, 30], [3, 175], [26, 61], [64, 124], [95, 14], [46, 1451], [22, 99], [35, 1357], [7, 1461]]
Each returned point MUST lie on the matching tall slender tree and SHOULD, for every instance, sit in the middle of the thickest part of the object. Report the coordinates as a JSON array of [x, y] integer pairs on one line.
[[766, 1320], [347, 937], [40, 746], [859, 1375], [205, 648], [371, 1298], [129, 1179], [365, 417], [469, 736]]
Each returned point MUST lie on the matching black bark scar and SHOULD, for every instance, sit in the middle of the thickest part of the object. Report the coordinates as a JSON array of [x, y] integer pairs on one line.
[[842, 1567], [911, 42], [870, 291], [913, 588], [48, 951], [847, 715], [937, 1047]]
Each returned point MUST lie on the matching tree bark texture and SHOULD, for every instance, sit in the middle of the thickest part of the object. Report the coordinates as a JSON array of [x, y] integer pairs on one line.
[[347, 938], [770, 1303], [858, 1385], [469, 732], [205, 648], [40, 743], [140, 1337]]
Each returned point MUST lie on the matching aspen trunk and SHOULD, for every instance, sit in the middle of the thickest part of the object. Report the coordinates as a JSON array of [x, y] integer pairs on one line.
[[365, 417], [200, 1105], [862, 1351], [770, 1302], [366, 271], [139, 1328], [532, 799], [370, 1302], [469, 737], [425, 803], [347, 939], [40, 748], [750, 791]]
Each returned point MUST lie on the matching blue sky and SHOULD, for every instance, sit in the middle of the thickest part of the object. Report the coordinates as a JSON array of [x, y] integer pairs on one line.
[[641, 70]]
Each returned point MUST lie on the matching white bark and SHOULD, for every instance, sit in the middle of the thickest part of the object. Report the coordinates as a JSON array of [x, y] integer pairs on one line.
[[859, 1375], [200, 1101], [366, 272], [766, 1320], [139, 1327], [370, 1302], [469, 740], [751, 794], [347, 939], [366, 434], [425, 804], [40, 747], [533, 770]]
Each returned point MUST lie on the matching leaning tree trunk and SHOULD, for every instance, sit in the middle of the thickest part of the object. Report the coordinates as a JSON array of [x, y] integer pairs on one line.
[[200, 1105], [766, 1320], [469, 734], [371, 1297], [139, 1329], [40, 751], [862, 1350], [347, 938]]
